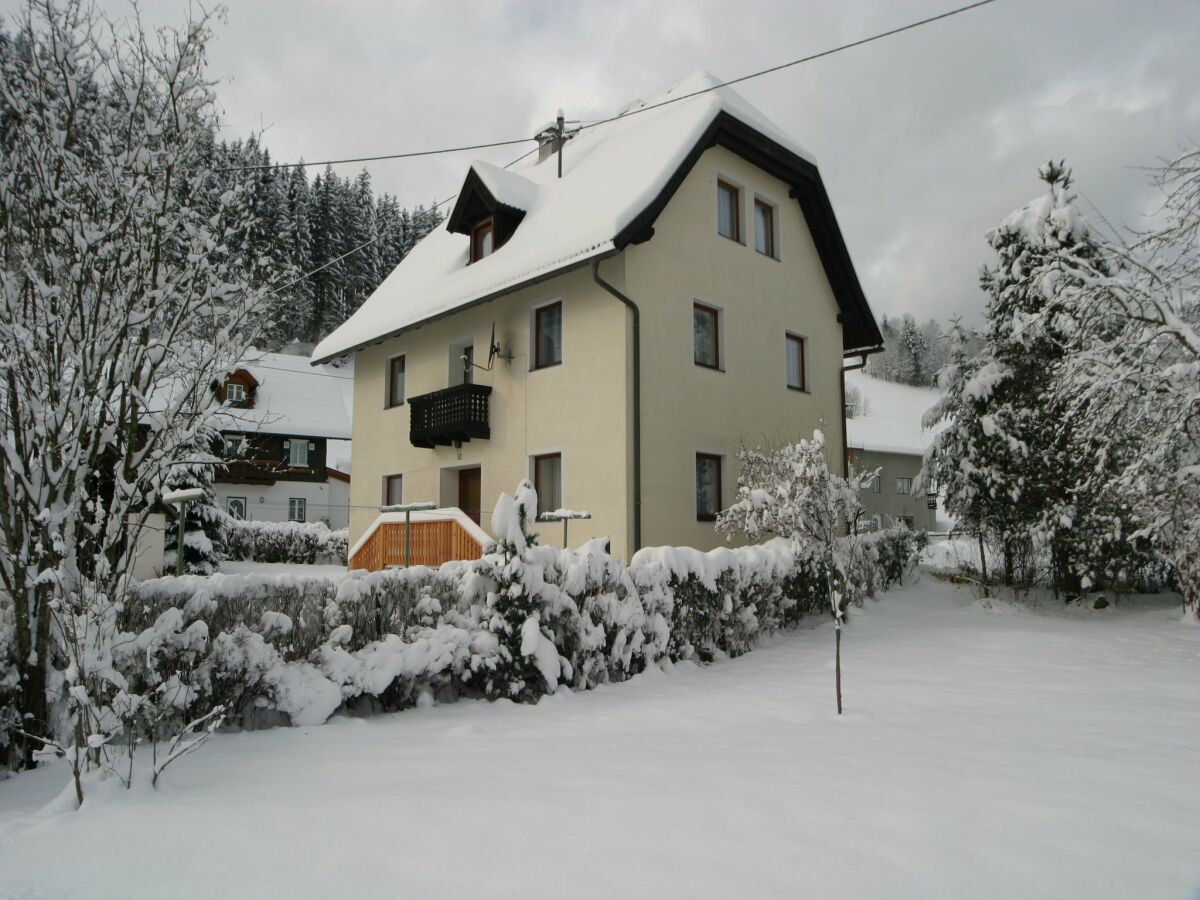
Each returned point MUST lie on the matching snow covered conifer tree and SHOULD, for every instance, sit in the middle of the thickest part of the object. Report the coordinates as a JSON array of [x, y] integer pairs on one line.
[[1132, 377], [531, 663], [120, 306], [1019, 458], [204, 522]]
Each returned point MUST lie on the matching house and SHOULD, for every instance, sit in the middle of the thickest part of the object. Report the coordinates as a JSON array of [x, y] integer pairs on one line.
[[884, 432], [286, 433], [613, 333]]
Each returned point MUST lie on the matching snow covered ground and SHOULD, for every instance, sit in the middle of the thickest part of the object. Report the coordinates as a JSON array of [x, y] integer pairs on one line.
[[985, 753]]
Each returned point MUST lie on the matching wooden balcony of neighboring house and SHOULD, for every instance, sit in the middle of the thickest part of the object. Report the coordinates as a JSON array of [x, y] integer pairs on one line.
[[250, 471], [455, 414]]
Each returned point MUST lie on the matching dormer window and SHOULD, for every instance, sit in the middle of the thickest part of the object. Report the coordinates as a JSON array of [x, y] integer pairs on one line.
[[235, 392], [491, 204], [482, 239]]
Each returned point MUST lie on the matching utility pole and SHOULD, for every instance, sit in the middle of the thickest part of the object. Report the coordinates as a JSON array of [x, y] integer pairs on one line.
[[559, 127], [407, 509]]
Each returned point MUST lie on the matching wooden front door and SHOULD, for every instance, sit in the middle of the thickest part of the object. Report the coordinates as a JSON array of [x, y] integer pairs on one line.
[[470, 484]]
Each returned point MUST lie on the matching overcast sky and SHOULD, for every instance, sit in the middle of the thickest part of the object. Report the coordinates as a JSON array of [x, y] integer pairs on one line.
[[925, 140]]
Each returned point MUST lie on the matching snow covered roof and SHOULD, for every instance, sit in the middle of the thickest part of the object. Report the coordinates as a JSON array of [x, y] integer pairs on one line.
[[295, 397], [892, 422], [617, 178]]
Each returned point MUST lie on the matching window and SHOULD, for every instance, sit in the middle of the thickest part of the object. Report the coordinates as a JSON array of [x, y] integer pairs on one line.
[[906, 521], [393, 490], [467, 359], [297, 451], [482, 236], [796, 363], [764, 228], [903, 485], [297, 507], [708, 487], [235, 392], [547, 336], [706, 338], [547, 480], [236, 507], [235, 446], [395, 395], [875, 485], [729, 211]]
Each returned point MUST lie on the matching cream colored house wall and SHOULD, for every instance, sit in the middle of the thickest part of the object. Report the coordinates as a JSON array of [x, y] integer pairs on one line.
[[577, 409], [583, 408], [687, 408]]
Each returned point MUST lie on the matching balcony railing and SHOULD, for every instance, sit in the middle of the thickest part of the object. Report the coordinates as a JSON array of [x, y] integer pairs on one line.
[[457, 413]]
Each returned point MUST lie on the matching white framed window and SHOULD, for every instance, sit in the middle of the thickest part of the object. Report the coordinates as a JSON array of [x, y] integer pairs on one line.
[[729, 210], [393, 490], [903, 485], [235, 392], [395, 389], [708, 487], [547, 481], [236, 507], [297, 509], [548, 335], [706, 335], [235, 446], [797, 362], [766, 238], [297, 452]]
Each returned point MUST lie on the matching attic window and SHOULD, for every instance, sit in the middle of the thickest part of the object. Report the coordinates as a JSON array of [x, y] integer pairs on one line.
[[235, 392], [482, 239]]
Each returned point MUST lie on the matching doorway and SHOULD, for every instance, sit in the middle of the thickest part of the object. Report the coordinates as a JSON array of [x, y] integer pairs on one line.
[[470, 490]]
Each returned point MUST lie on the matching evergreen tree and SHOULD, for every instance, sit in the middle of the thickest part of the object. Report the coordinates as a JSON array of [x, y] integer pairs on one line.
[[204, 521], [530, 662]]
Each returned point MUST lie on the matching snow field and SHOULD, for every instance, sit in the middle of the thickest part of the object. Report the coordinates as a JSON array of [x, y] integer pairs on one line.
[[1030, 754]]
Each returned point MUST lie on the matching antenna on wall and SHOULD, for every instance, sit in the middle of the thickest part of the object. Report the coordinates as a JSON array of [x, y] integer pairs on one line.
[[493, 352]]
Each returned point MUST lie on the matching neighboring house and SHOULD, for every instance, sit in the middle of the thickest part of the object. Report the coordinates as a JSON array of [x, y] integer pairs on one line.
[[681, 289], [286, 436], [888, 436]]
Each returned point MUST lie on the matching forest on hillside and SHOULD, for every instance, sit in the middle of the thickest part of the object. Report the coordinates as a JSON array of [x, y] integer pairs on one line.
[[914, 353], [302, 226]]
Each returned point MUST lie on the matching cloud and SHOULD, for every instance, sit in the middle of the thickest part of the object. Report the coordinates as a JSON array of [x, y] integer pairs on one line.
[[925, 140]]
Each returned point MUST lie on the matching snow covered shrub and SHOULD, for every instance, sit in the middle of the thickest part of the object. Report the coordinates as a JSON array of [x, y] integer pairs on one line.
[[300, 543], [719, 602], [895, 551]]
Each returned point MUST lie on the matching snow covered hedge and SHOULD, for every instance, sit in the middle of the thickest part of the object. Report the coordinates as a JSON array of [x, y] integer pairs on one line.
[[285, 542], [522, 622]]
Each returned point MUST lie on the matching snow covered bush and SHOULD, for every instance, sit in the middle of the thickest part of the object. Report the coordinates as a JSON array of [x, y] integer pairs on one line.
[[301, 543]]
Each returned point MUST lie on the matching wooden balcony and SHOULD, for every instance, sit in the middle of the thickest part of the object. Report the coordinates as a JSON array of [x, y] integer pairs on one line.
[[458, 413]]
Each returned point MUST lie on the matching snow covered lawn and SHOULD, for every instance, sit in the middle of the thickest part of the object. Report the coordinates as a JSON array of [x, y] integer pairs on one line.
[[995, 753]]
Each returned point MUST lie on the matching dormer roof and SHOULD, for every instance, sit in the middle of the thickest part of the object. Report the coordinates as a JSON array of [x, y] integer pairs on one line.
[[617, 178], [486, 191]]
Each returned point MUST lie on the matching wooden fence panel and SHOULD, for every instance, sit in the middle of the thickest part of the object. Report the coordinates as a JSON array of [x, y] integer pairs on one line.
[[433, 543]]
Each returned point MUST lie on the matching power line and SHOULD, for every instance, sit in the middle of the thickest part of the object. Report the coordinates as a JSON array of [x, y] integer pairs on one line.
[[593, 123], [373, 240], [361, 159], [795, 62]]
